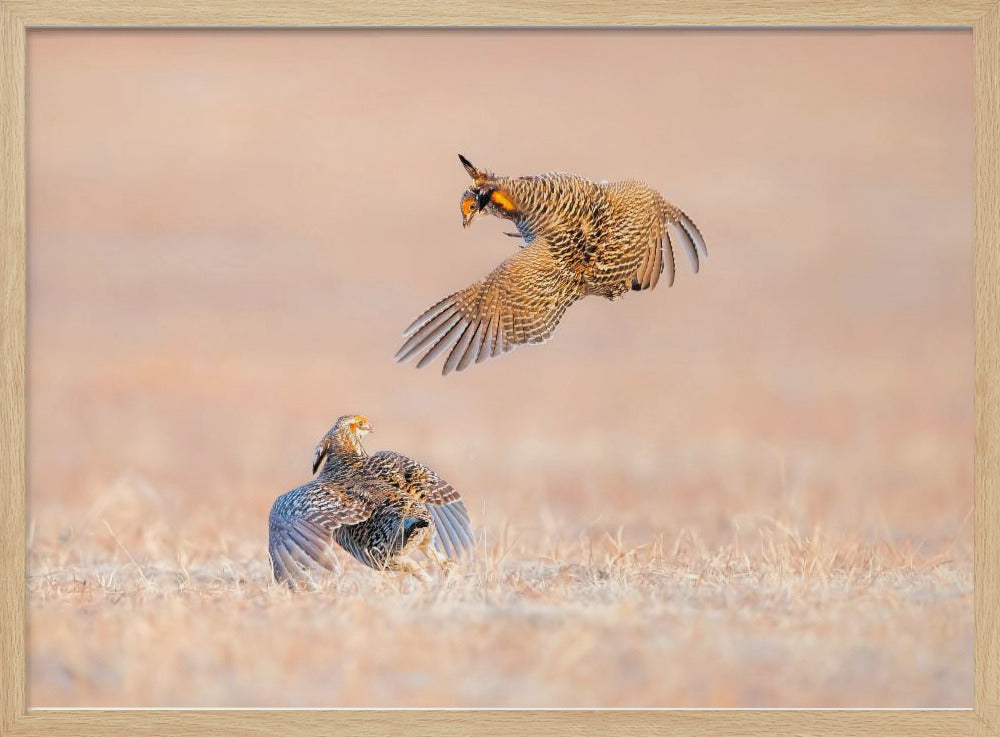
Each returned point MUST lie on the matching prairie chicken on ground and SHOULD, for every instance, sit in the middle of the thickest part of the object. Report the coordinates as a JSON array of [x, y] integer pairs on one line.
[[580, 238], [378, 507]]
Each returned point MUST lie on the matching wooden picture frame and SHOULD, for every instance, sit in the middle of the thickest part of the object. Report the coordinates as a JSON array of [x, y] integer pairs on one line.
[[18, 17]]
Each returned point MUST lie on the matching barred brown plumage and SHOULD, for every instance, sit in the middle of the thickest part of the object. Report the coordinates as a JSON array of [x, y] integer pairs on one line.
[[581, 238], [378, 507]]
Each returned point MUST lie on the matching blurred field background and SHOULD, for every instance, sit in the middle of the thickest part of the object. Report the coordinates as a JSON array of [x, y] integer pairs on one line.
[[750, 489]]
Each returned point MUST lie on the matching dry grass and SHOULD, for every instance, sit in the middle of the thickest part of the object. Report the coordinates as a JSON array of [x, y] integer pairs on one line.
[[773, 617]]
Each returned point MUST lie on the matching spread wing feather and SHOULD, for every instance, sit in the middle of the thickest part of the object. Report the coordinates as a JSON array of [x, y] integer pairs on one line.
[[660, 250], [521, 301], [687, 234], [454, 531], [303, 523]]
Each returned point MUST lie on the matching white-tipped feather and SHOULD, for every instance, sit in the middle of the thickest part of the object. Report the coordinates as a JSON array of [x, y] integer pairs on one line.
[[695, 234], [427, 333], [654, 277], [670, 265], [461, 344], [472, 350], [443, 342], [687, 245], [427, 314]]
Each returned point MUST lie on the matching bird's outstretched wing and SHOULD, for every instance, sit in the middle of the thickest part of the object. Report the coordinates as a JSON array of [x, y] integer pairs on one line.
[[520, 302], [302, 524], [660, 252], [451, 518]]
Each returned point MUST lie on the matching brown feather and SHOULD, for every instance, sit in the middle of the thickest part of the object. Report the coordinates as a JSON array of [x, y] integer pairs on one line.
[[581, 238]]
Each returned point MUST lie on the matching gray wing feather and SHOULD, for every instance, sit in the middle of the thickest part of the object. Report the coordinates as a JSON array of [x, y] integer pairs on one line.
[[445, 540], [455, 535], [687, 244], [296, 548]]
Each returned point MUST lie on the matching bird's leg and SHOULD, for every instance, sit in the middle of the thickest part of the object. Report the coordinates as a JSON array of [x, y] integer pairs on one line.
[[405, 565], [432, 554]]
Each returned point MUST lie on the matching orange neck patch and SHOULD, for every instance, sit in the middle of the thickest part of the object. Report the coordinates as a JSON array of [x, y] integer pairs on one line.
[[502, 201]]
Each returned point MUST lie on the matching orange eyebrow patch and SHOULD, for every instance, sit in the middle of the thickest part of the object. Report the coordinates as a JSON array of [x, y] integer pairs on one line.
[[502, 200], [467, 203]]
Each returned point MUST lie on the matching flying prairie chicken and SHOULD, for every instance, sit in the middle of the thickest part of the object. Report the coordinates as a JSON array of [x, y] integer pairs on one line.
[[580, 238], [378, 507]]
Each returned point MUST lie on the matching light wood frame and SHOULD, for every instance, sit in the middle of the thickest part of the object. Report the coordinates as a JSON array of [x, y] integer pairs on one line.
[[17, 17]]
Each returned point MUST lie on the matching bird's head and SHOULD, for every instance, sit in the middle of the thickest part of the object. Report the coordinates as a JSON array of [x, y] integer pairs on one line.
[[473, 202], [484, 196], [344, 437], [356, 424]]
